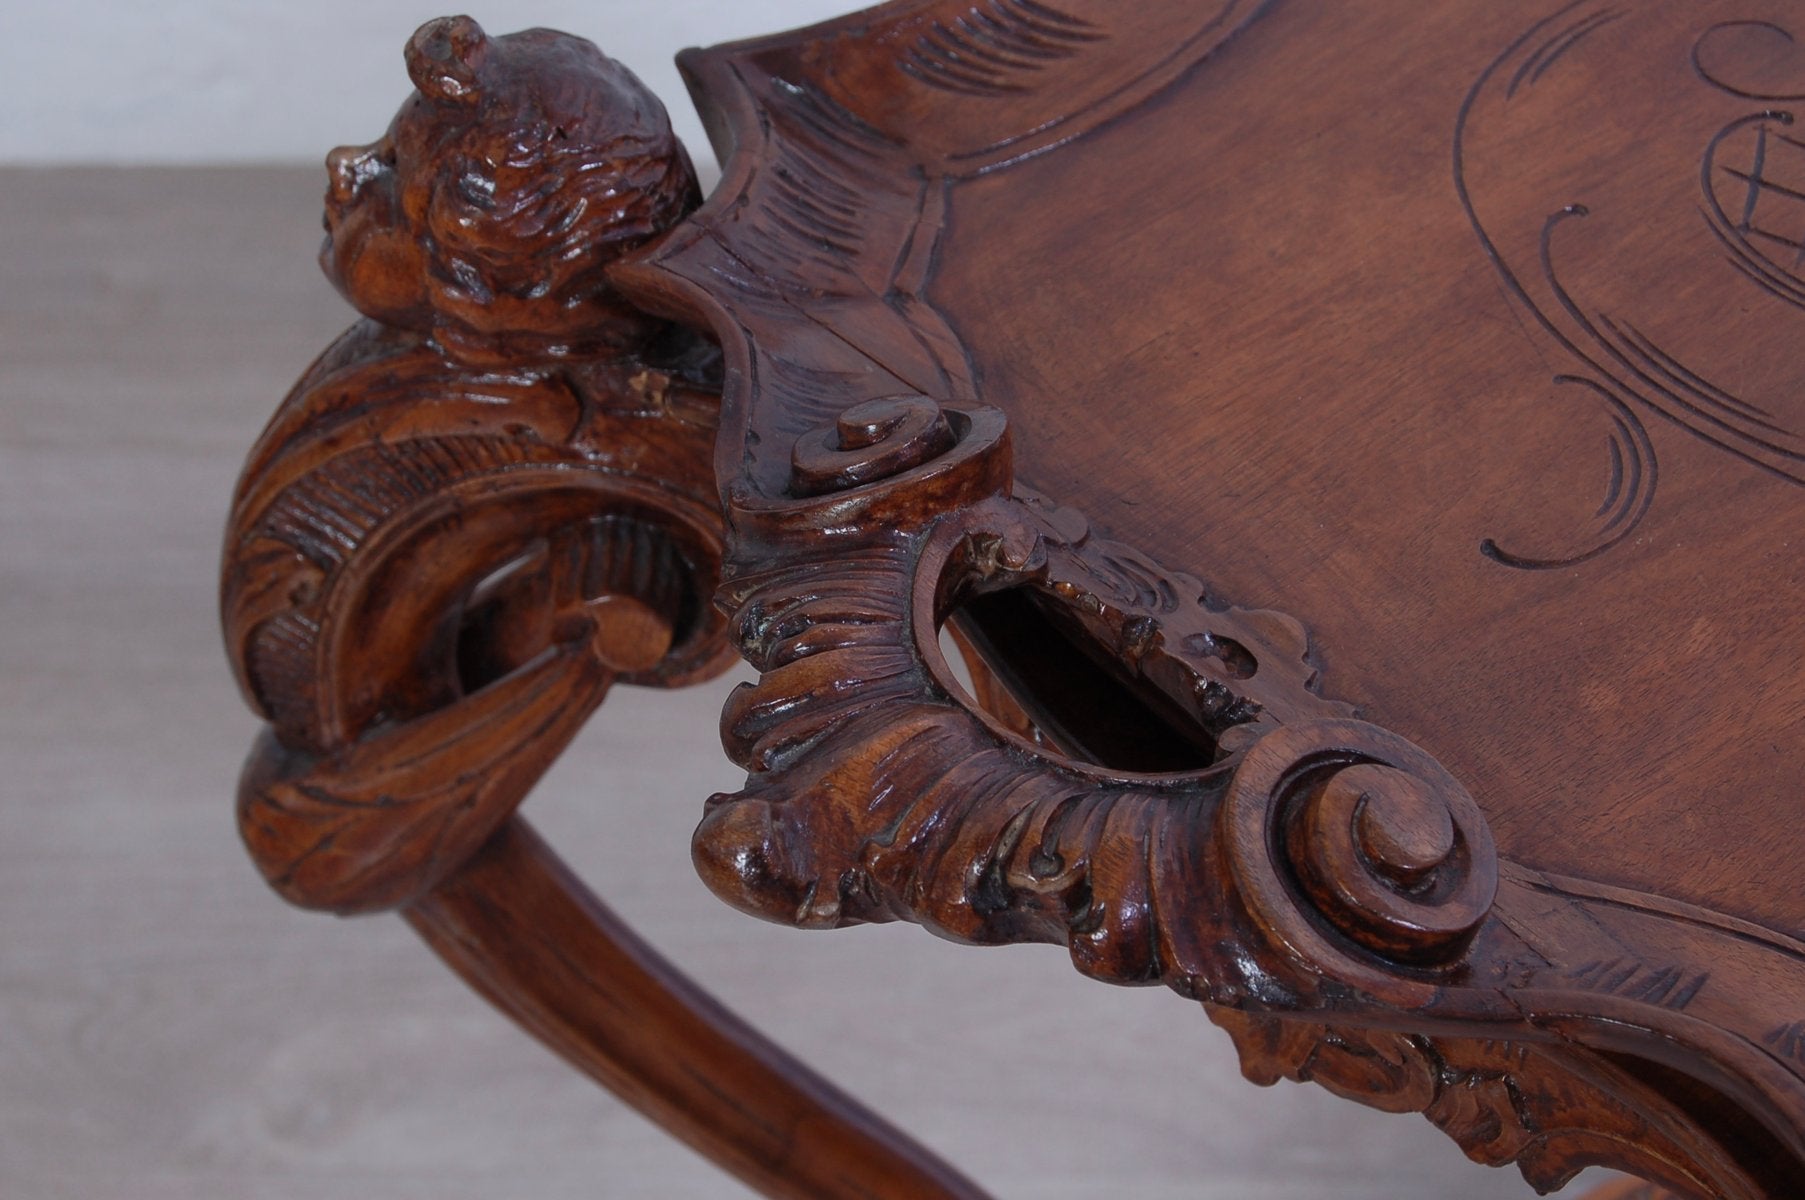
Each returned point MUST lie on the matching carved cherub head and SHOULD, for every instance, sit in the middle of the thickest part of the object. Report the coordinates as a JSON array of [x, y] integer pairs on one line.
[[488, 213]]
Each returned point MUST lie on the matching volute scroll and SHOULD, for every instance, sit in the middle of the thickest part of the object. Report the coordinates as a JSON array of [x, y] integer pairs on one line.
[[1268, 848], [486, 504], [529, 474], [1370, 833]]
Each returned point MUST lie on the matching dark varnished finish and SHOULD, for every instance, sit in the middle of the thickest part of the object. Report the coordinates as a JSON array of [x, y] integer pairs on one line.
[[1371, 505], [1475, 358], [483, 506], [521, 930]]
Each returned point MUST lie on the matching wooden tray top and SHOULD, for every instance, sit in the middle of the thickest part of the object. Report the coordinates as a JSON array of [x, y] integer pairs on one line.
[[1357, 449], [1456, 347]]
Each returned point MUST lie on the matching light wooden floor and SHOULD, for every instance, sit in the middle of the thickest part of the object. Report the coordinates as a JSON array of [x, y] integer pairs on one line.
[[169, 1029]]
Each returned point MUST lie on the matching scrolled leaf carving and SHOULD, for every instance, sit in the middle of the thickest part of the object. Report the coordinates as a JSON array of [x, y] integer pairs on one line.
[[1381, 842], [877, 794], [488, 500], [1300, 865], [1540, 1107], [481, 507]]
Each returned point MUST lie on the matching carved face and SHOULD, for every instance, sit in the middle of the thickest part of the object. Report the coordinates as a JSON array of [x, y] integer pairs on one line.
[[373, 252], [488, 213]]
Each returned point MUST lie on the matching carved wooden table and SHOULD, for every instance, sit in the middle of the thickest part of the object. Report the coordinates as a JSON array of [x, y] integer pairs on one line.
[[1357, 447]]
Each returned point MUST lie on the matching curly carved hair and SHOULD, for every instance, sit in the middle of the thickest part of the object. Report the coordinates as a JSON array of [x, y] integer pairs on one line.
[[549, 161]]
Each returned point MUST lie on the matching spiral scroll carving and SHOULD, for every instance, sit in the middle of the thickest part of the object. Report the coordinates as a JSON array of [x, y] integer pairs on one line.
[[1369, 833], [482, 507], [470, 518], [871, 441]]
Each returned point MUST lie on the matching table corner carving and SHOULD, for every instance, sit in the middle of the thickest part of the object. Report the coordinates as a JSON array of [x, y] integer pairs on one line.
[[1320, 882], [487, 499], [525, 476], [487, 502]]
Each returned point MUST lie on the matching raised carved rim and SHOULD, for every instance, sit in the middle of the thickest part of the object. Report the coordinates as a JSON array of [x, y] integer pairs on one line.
[[1545, 963]]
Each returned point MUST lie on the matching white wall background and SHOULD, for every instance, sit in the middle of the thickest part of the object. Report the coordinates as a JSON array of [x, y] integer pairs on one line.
[[218, 81]]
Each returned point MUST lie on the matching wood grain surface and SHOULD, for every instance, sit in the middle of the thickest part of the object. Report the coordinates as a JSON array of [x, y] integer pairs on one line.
[[1340, 234], [168, 1028], [1078, 325]]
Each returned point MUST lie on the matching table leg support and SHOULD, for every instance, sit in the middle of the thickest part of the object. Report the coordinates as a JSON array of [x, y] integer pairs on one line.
[[482, 507], [524, 932]]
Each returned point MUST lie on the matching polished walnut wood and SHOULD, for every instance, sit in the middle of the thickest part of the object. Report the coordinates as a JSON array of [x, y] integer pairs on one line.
[[1358, 446], [483, 506]]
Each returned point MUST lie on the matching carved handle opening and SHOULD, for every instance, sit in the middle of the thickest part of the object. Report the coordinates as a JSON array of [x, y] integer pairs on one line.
[[1057, 687]]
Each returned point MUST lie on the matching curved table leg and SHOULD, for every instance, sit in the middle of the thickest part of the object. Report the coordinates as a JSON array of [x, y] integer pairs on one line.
[[477, 511], [525, 933], [412, 806]]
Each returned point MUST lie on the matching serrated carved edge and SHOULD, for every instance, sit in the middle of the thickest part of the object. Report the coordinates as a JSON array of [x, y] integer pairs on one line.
[[475, 513], [876, 794], [1502, 1102]]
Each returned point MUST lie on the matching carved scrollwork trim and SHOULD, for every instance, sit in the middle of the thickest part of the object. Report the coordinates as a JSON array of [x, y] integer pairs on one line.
[[1543, 1108], [1321, 866], [1356, 826], [482, 507], [427, 608], [1310, 865]]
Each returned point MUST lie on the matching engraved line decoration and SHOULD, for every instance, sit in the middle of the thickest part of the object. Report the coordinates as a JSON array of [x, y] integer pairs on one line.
[[985, 50], [1756, 238], [1667, 986], [1747, 89], [986, 83], [876, 793], [1547, 53], [1788, 1041], [1563, 260], [1628, 494]]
